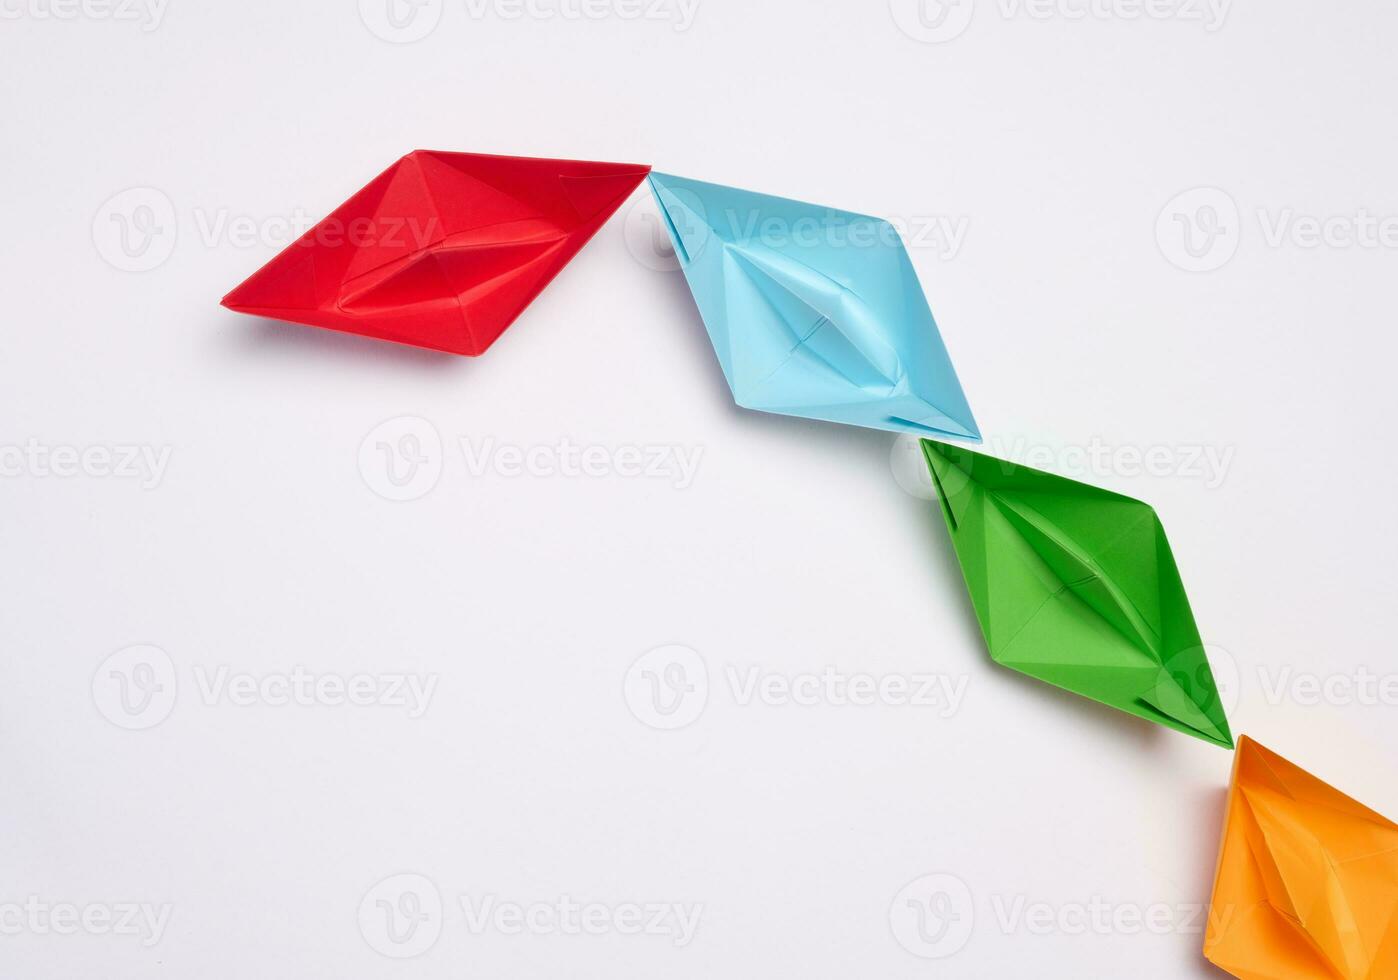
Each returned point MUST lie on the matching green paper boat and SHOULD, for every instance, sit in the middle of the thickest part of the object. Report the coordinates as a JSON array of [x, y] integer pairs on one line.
[[1077, 586]]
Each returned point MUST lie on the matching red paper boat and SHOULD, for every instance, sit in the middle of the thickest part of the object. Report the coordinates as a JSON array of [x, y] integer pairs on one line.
[[441, 250]]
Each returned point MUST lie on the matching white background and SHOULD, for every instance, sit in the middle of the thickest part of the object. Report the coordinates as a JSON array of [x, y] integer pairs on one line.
[[1056, 143]]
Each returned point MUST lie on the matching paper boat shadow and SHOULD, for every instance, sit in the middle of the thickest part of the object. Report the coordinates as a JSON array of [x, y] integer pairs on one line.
[[261, 334]]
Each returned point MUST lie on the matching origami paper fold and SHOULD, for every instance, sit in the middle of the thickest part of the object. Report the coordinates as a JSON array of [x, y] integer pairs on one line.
[[1307, 881], [441, 250], [1077, 586], [812, 311]]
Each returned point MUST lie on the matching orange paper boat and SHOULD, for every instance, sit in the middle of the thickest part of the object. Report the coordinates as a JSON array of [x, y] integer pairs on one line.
[[1307, 882]]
